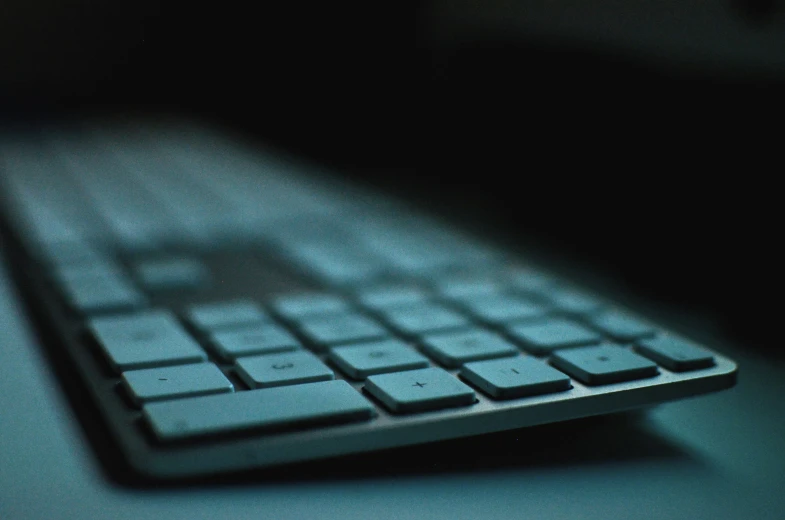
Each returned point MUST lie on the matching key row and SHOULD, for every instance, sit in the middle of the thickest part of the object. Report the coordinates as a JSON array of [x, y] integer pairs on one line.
[[156, 338], [237, 329], [501, 375], [539, 335], [97, 284], [313, 396], [491, 300], [341, 253], [331, 319]]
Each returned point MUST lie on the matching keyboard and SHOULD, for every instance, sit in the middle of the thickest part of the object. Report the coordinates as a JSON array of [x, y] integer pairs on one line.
[[228, 308]]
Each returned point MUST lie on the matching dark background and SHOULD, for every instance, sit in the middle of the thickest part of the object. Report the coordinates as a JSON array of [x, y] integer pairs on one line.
[[661, 174]]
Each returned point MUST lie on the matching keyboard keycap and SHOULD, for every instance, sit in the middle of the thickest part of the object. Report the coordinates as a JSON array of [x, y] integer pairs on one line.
[[504, 308], [346, 269], [75, 273], [257, 339], [211, 317], [464, 288], [90, 294], [603, 364], [418, 319], [572, 301], [419, 390], [515, 377], [145, 340], [543, 338], [72, 253], [454, 349], [346, 328], [298, 306], [622, 327], [675, 354], [156, 384], [408, 254], [335, 266], [290, 368], [361, 361], [172, 273], [328, 402], [528, 280], [385, 298]]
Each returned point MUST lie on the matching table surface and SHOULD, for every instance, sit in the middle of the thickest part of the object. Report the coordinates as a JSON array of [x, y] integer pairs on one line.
[[718, 456]]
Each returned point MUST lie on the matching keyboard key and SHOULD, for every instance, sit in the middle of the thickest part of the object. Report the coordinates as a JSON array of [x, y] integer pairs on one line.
[[418, 319], [543, 338], [210, 317], [328, 402], [172, 273], [346, 328], [156, 384], [145, 340], [298, 306], [603, 364], [572, 301], [361, 361], [504, 308], [512, 377], [290, 368], [389, 297], [335, 266], [75, 273], [675, 354], [410, 250], [454, 349], [101, 293], [409, 254], [419, 390], [463, 288], [528, 280], [341, 270], [257, 339], [621, 327], [72, 253], [97, 285]]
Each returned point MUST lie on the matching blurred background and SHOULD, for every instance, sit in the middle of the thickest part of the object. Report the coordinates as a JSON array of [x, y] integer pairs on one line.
[[642, 140]]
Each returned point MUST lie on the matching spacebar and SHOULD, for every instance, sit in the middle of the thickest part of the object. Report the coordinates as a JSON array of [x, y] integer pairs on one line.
[[281, 407]]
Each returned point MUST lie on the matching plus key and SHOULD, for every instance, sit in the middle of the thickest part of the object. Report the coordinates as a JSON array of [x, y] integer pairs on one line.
[[419, 390]]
